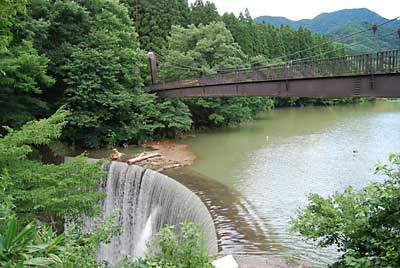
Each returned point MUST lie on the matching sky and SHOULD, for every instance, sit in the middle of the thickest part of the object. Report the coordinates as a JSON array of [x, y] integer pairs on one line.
[[305, 9]]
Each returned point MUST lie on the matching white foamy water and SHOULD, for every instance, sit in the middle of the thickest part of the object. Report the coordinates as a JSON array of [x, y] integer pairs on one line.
[[147, 201]]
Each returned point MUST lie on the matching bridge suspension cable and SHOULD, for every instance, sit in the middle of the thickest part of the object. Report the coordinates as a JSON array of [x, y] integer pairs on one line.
[[372, 28], [345, 46], [310, 48], [179, 65]]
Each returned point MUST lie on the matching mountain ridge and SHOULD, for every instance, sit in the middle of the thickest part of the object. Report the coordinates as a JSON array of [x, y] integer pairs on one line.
[[346, 21]]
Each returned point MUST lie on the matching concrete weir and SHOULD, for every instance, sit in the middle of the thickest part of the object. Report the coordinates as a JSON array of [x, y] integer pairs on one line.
[[147, 201]]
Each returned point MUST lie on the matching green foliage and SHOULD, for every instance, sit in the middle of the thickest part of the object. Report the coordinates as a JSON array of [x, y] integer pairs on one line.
[[87, 55], [28, 247], [78, 37], [79, 249], [278, 42], [8, 10], [167, 251], [175, 117], [324, 22], [204, 49], [344, 22], [16, 145], [7, 201], [296, 101], [40, 246], [23, 72], [267, 44], [366, 42], [203, 13], [364, 224], [96, 61], [154, 19], [46, 192]]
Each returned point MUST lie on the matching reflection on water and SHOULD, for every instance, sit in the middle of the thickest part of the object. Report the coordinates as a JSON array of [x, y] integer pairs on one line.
[[239, 228], [277, 160]]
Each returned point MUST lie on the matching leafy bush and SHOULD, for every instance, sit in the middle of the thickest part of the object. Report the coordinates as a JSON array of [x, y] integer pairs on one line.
[[29, 247], [79, 249], [34, 246], [167, 251], [364, 225]]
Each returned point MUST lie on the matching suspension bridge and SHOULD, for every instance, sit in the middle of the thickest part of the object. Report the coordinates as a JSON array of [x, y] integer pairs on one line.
[[366, 75]]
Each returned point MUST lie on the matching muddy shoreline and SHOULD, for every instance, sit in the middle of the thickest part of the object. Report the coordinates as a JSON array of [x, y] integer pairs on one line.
[[156, 155]]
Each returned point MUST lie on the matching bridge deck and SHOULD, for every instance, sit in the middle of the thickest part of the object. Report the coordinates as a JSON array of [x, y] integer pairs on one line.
[[375, 75]]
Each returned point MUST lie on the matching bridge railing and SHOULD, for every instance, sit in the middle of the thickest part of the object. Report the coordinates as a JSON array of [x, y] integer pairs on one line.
[[367, 64]]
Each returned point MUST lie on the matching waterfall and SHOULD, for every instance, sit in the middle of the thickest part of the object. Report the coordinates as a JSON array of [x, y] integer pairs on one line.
[[147, 201]]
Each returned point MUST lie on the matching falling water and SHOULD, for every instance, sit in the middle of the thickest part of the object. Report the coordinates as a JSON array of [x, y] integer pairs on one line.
[[147, 201]]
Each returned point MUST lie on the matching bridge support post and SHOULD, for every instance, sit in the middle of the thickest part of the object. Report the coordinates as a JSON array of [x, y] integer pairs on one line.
[[153, 66]]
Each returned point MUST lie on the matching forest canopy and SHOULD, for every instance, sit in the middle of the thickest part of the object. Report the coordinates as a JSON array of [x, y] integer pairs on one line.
[[90, 56]]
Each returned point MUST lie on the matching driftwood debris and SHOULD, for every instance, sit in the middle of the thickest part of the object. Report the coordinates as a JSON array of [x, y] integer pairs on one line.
[[115, 155], [173, 166], [141, 158]]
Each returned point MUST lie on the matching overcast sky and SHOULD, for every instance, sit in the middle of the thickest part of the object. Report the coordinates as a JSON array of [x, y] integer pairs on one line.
[[305, 9]]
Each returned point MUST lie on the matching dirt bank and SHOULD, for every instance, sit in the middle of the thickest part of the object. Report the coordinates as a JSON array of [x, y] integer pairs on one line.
[[159, 156], [173, 151]]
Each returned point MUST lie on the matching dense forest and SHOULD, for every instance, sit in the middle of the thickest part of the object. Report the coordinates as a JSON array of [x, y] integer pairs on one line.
[[90, 57]]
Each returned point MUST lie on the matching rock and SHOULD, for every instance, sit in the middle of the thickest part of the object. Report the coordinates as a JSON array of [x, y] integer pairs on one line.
[[225, 262], [115, 155], [269, 262]]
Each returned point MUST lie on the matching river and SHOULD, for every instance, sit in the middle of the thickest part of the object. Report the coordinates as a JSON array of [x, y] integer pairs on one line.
[[253, 177]]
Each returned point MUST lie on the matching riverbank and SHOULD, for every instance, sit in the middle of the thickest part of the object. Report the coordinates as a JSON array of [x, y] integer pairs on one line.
[[174, 152], [155, 155]]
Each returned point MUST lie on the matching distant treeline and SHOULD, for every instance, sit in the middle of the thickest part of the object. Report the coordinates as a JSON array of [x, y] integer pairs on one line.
[[90, 56]]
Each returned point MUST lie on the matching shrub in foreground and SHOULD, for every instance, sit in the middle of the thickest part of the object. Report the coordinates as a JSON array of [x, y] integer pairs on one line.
[[167, 251], [364, 225]]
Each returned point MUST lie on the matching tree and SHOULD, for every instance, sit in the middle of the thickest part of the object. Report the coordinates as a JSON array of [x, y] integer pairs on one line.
[[195, 51], [267, 45], [169, 250], [104, 88], [154, 19], [84, 54], [8, 10], [23, 71], [23, 75], [40, 191], [364, 225], [203, 13], [96, 62]]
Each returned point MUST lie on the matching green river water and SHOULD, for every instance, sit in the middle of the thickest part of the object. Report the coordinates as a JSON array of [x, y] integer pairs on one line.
[[254, 177]]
